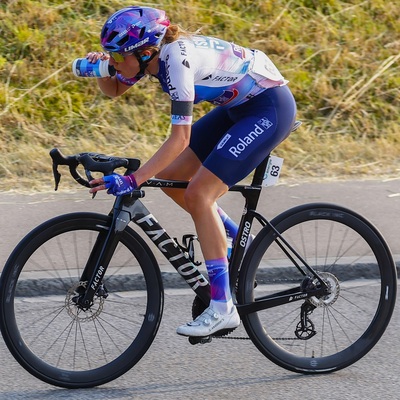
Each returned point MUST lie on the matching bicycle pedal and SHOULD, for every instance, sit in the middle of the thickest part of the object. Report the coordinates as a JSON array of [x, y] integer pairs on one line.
[[199, 339]]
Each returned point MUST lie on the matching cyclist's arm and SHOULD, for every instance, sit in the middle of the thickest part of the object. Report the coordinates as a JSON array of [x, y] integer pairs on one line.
[[181, 120], [112, 86], [166, 154]]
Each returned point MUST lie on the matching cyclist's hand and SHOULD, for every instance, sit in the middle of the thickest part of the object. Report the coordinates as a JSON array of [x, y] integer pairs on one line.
[[93, 56], [117, 185]]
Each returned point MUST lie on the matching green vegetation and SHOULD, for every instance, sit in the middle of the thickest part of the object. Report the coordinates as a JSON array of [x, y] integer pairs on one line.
[[341, 57]]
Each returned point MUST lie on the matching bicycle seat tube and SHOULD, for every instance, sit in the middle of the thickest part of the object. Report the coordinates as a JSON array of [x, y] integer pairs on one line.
[[251, 193]]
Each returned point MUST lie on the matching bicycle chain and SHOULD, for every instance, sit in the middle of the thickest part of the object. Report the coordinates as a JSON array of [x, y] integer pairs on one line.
[[247, 338], [231, 337]]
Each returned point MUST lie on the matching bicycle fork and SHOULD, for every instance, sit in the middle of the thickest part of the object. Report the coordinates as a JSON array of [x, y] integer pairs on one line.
[[98, 261]]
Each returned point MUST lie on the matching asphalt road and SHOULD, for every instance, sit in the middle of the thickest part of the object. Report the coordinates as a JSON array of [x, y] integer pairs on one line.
[[378, 201], [173, 369], [223, 369]]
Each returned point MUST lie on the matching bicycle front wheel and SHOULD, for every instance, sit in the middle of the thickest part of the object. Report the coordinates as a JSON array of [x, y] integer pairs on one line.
[[48, 334], [330, 332]]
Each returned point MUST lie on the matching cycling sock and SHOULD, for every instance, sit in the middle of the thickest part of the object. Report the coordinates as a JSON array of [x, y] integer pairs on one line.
[[221, 298], [231, 227]]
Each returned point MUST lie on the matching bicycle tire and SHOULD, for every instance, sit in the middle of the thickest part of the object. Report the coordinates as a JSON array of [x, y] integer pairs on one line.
[[352, 257], [42, 326]]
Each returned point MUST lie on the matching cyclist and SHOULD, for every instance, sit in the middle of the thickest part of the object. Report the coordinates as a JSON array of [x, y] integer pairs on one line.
[[255, 111]]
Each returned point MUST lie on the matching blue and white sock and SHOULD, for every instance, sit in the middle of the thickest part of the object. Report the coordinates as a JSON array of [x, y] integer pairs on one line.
[[231, 227], [218, 273]]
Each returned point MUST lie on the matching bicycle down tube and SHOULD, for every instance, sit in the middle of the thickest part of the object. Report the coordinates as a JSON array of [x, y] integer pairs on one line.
[[170, 249], [128, 209]]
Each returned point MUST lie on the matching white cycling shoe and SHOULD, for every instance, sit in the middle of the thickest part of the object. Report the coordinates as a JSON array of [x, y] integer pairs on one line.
[[210, 322]]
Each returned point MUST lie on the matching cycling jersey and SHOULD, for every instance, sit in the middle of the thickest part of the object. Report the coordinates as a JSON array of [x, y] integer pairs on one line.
[[200, 68]]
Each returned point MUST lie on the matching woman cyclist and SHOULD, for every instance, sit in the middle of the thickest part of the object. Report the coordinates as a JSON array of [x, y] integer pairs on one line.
[[254, 112]]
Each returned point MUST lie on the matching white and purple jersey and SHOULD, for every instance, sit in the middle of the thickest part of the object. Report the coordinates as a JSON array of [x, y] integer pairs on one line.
[[200, 68]]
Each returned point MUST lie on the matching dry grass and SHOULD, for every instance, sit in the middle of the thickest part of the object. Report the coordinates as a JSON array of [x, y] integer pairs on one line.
[[341, 57]]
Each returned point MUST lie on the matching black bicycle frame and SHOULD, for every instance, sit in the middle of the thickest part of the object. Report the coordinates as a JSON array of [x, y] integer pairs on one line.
[[130, 208]]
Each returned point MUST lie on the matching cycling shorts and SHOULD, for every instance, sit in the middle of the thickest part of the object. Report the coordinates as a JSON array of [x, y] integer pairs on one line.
[[232, 142]]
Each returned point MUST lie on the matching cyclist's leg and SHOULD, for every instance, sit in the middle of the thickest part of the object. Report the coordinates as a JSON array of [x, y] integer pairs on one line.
[[258, 129], [200, 197], [204, 189], [206, 133], [243, 146], [231, 227]]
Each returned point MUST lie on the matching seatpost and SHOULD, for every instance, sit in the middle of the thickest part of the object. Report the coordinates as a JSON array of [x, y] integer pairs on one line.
[[259, 172]]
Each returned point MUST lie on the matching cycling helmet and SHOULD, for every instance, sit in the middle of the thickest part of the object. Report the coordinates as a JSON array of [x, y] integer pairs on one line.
[[131, 28]]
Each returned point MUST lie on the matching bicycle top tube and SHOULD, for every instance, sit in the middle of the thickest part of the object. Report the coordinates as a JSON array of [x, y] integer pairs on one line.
[[93, 162], [97, 162]]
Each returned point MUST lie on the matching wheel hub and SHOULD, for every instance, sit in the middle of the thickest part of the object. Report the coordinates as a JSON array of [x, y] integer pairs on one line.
[[78, 313], [334, 289]]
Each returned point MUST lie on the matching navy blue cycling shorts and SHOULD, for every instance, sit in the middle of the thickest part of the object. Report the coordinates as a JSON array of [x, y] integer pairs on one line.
[[232, 142]]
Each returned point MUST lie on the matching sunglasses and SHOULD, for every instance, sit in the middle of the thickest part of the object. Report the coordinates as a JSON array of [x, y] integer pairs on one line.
[[118, 57]]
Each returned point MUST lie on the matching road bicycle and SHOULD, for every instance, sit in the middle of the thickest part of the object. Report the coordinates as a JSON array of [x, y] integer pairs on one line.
[[81, 295]]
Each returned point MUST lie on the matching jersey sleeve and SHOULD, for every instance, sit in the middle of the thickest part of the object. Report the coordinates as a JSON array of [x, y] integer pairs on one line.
[[179, 81]]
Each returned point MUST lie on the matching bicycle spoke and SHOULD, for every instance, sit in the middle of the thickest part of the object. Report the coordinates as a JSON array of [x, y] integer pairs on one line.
[[58, 336], [326, 331]]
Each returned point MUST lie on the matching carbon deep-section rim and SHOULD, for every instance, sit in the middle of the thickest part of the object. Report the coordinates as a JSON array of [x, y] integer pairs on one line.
[[331, 332], [48, 334]]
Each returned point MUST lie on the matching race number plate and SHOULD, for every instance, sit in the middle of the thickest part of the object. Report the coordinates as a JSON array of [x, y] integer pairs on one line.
[[273, 171]]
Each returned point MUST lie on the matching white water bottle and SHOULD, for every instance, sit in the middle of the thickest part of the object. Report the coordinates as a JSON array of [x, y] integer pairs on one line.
[[83, 68]]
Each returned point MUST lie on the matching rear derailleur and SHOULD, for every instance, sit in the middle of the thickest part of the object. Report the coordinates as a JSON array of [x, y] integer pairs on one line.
[[305, 329]]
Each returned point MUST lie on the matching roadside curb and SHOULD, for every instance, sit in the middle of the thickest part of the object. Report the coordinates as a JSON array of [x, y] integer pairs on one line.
[[171, 280]]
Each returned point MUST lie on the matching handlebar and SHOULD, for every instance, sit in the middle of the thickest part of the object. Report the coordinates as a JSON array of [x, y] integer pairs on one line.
[[91, 162], [97, 162]]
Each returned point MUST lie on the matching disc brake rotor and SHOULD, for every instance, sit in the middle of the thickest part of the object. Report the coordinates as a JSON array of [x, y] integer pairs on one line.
[[334, 288], [78, 313]]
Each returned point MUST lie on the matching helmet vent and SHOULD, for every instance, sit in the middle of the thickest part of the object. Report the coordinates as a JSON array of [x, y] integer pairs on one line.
[[112, 36], [123, 40]]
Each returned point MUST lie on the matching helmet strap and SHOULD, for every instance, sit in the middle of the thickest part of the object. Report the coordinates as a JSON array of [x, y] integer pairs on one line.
[[144, 61]]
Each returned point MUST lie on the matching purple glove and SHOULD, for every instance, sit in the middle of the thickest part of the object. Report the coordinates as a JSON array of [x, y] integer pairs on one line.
[[119, 185]]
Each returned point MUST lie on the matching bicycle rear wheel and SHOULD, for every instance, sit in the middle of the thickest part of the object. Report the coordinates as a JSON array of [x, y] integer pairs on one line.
[[42, 326], [324, 334]]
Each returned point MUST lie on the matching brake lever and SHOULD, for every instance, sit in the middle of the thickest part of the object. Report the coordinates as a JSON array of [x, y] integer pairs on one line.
[[89, 177], [57, 176]]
